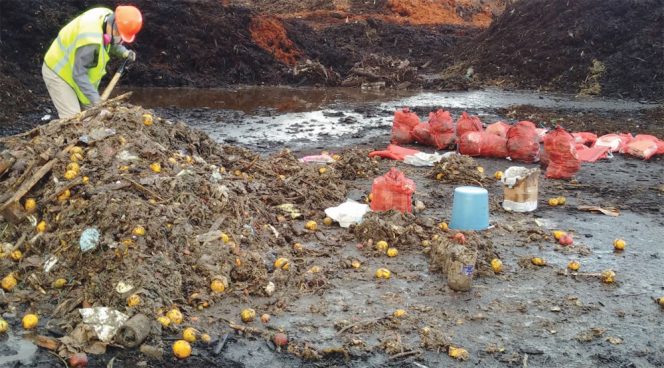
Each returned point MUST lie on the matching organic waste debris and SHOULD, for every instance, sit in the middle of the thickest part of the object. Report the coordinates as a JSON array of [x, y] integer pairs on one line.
[[356, 163], [459, 169], [446, 248], [389, 71], [395, 228], [172, 210], [221, 217]]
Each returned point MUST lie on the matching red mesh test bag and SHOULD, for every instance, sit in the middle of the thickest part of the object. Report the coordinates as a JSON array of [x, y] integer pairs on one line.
[[392, 191], [403, 125], [468, 123], [560, 148], [523, 142], [483, 144], [442, 129]]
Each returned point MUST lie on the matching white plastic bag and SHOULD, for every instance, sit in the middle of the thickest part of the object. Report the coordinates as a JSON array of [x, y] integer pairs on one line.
[[422, 159], [347, 213]]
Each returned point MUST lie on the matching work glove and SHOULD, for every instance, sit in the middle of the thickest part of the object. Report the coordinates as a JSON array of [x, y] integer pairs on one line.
[[130, 55]]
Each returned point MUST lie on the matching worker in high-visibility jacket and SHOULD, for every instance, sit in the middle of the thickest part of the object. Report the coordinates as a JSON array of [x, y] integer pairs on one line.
[[76, 61]]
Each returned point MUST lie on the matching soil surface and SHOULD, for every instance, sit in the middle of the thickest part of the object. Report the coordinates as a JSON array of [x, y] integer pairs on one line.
[[342, 315], [212, 209], [610, 48]]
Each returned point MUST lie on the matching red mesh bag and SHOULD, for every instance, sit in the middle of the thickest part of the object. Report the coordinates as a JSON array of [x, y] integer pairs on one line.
[[498, 128], [422, 134], [644, 146], [591, 154], [483, 144], [468, 123], [441, 128], [560, 149], [659, 142], [402, 126], [585, 138], [392, 191], [523, 142], [615, 142], [394, 152], [444, 140], [645, 137]]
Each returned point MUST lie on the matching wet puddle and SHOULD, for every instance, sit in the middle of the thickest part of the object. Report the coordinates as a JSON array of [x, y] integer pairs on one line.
[[252, 99], [275, 117], [16, 350]]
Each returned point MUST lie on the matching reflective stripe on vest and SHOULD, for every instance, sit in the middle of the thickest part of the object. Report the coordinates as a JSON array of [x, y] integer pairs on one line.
[[84, 30]]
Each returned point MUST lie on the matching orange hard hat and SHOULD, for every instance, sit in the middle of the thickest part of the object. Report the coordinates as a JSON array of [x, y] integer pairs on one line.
[[129, 21]]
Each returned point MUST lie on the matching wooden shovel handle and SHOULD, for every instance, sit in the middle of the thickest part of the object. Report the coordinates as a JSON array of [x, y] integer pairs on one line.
[[113, 82], [111, 85]]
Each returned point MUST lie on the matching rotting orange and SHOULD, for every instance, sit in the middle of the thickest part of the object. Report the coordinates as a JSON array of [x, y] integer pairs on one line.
[[181, 349]]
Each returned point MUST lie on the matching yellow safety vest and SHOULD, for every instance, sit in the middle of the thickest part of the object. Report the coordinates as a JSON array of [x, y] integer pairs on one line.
[[86, 29]]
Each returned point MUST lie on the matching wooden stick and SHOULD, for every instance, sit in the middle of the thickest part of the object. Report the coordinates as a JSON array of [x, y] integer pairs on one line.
[[10, 210], [10, 213], [405, 354], [93, 110], [20, 241], [71, 184], [5, 165], [23, 176], [111, 85], [359, 324], [144, 190]]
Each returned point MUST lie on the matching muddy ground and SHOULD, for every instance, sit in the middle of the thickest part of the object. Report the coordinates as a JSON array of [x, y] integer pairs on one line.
[[536, 316]]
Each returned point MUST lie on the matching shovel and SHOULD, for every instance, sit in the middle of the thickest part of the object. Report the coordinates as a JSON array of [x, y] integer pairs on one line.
[[114, 81]]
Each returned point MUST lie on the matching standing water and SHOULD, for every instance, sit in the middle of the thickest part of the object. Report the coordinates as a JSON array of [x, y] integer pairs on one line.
[[272, 117]]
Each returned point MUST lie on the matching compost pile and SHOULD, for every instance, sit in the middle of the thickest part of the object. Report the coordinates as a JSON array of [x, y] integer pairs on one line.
[[610, 48], [373, 68], [458, 169], [408, 232], [164, 208], [445, 248], [313, 72], [397, 229], [356, 163]]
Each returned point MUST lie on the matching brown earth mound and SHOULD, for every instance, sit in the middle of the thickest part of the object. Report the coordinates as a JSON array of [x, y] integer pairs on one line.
[[270, 35], [191, 42], [423, 12], [172, 211], [342, 46], [208, 43], [611, 48]]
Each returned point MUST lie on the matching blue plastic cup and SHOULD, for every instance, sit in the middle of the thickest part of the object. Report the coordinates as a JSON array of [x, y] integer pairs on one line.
[[470, 209]]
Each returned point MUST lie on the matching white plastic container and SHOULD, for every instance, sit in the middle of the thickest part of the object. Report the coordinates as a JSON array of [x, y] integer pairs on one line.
[[521, 187]]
